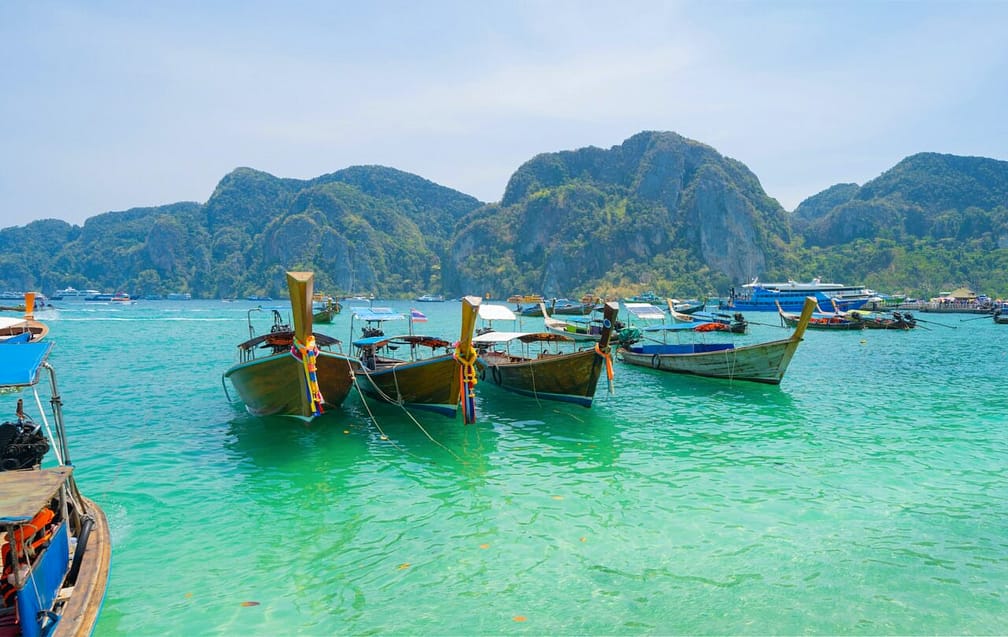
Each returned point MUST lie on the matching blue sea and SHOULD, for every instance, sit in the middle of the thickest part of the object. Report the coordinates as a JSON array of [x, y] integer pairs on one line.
[[866, 495]]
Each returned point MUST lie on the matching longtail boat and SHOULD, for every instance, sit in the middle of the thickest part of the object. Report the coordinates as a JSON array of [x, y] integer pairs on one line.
[[26, 328], [55, 545], [761, 363], [566, 376], [439, 380], [722, 321], [324, 308], [894, 320], [833, 321], [1000, 316], [291, 372], [579, 328]]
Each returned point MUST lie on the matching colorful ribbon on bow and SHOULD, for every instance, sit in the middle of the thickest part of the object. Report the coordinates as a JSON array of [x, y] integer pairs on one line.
[[608, 364], [467, 383], [307, 353]]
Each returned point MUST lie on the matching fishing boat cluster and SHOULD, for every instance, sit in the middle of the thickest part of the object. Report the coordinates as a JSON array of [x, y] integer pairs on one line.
[[55, 544], [293, 370]]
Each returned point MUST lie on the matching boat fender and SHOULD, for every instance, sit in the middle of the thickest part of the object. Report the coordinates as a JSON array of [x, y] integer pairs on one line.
[[495, 371], [655, 361], [78, 556]]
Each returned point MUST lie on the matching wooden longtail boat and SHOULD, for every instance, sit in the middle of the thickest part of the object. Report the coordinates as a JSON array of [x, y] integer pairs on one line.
[[436, 382], [563, 376], [1000, 317], [895, 320], [690, 306], [324, 308], [579, 328], [822, 320], [761, 363], [54, 542], [300, 373], [724, 322], [25, 329]]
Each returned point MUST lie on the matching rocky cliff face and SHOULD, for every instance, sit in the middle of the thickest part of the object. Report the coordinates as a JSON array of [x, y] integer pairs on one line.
[[573, 219]]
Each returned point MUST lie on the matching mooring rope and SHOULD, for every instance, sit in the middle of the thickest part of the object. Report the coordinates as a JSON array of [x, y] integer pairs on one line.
[[401, 404]]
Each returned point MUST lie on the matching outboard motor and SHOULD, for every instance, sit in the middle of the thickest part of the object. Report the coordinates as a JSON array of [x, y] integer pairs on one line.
[[22, 443]]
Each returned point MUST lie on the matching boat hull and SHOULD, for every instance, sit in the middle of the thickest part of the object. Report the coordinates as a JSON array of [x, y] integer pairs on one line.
[[759, 363], [766, 300], [431, 384], [762, 363], [35, 329], [276, 385], [571, 378], [80, 612], [826, 324], [324, 316]]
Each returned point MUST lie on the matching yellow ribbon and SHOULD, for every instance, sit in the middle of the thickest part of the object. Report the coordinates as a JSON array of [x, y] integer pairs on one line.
[[308, 354], [467, 383]]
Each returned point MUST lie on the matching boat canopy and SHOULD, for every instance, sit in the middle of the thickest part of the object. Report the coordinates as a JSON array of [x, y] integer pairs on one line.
[[19, 363], [377, 314], [11, 321], [675, 327], [645, 311], [25, 493], [496, 313], [524, 337], [408, 339]]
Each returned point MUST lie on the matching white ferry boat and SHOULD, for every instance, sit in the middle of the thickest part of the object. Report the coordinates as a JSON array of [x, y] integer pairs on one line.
[[764, 297], [72, 294]]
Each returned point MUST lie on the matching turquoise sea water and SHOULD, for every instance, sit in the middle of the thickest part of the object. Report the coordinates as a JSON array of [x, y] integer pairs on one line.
[[866, 495]]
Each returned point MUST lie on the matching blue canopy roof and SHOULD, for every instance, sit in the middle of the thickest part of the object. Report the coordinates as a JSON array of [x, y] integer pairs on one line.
[[19, 362]]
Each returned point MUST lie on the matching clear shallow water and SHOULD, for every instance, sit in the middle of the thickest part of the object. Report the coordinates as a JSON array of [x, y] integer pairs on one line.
[[866, 495]]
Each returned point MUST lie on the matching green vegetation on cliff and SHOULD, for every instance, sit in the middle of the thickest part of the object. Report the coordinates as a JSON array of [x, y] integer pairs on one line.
[[657, 212]]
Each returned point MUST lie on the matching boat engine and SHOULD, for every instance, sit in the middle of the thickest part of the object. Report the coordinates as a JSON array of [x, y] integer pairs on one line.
[[22, 445]]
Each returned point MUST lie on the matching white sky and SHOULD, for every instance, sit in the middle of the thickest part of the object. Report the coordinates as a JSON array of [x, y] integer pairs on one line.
[[112, 105]]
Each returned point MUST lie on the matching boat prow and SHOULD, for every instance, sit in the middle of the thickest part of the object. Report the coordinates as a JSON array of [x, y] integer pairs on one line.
[[301, 372], [432, 382]]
